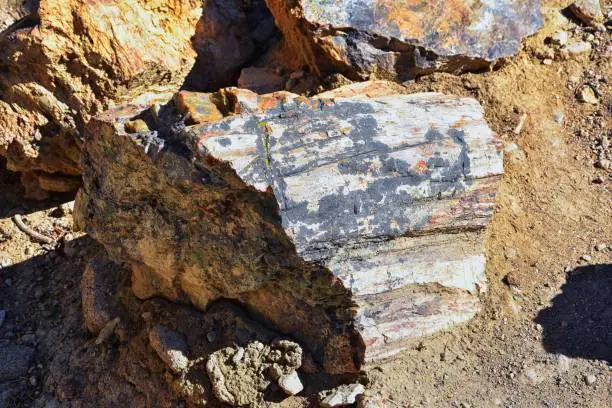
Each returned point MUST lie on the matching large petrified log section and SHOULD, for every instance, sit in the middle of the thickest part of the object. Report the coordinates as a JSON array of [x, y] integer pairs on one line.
[[402, 39], [66, 60], [350, 221]]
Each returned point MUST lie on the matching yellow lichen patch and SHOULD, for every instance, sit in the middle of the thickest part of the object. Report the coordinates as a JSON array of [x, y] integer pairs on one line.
[[199, 106]]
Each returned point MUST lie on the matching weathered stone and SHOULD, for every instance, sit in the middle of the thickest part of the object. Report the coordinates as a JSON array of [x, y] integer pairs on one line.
[[290, 383], [199, 106], [15, 361], [98, 289], [588, 11], [350, 222], [240, 375], [70, 59], [341, 396], [404, 39], [12, 11], [170, 347]]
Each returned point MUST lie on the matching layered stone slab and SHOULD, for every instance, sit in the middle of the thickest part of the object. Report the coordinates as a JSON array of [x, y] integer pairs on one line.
[[351, 221], [403, 39]]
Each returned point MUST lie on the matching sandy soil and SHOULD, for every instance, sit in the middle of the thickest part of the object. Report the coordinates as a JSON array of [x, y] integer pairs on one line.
[[543, 338]]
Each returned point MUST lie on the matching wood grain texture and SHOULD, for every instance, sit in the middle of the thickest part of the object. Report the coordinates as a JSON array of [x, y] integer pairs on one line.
[[362, 213]]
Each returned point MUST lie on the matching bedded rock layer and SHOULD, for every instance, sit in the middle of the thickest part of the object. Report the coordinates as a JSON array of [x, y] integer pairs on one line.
[[351, 221]]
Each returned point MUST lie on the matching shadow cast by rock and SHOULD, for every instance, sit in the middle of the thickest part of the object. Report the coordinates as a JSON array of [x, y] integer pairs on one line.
[[579, 322]]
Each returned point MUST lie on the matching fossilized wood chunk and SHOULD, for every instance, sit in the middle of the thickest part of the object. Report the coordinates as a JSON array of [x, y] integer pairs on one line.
[[402, 39], [350, 223]]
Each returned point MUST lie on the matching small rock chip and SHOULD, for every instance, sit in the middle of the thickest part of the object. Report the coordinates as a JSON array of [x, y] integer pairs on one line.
[[531, 375], [170, 347], [559, 117], [107, 331], [588, 11], [586, 258], [14, 361], [559, 38], [598, 247], [586, 94], [342, 395], [200, 106], [603, 164], [136, 126], [563, 363], [290, 383], [590, 379], [578, 48]]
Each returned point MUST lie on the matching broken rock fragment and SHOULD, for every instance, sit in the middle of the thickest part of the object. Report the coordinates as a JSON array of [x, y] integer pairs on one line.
[[588, 11], [400, 39], [170, 347], [239, 375], [352, 221], [341, 396], [98, 293]]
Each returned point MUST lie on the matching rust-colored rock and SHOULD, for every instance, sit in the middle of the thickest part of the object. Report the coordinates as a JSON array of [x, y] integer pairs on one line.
[[402, 39], [70, 59], [350, 222]]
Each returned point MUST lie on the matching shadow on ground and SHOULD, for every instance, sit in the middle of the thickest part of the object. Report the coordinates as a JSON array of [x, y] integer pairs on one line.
[[12, 200], [579, 322]]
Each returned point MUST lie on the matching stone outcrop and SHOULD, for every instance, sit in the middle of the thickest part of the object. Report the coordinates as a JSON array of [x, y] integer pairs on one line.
[[351, 221], [402, 39], [68, 60]]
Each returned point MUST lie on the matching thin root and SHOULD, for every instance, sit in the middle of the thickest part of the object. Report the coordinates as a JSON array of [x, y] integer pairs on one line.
[[30, 232]]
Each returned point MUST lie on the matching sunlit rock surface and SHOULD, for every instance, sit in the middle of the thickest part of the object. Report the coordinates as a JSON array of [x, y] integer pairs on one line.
[[351, 221], [402, 39]]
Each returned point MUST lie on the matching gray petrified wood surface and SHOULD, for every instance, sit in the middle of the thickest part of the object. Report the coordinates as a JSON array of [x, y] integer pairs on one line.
[[405, 38], [385, 194]]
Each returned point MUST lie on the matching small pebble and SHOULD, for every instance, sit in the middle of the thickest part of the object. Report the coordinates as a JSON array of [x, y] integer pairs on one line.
[[603, 164], [559, 38], [587, 258], [558, 117], [587, 95], [290, 383], [590, 379], [598, 247]]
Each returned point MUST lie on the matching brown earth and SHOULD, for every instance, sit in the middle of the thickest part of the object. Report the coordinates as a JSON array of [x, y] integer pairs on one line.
[[546, 323]]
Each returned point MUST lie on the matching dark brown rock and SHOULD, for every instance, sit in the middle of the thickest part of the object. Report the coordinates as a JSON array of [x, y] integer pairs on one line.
[[587, 11], [98, 293], [403, 39]]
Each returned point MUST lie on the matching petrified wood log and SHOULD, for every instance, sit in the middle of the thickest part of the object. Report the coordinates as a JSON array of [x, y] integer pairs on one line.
[[350, 221], [403, 39]]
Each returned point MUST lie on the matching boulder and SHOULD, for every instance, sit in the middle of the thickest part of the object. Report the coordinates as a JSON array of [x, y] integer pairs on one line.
[[66, 60], [351, 221], [53, 80], [401, 40]]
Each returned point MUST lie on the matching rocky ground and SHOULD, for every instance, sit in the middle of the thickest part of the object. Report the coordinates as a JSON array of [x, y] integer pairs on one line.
[[543, 338]]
